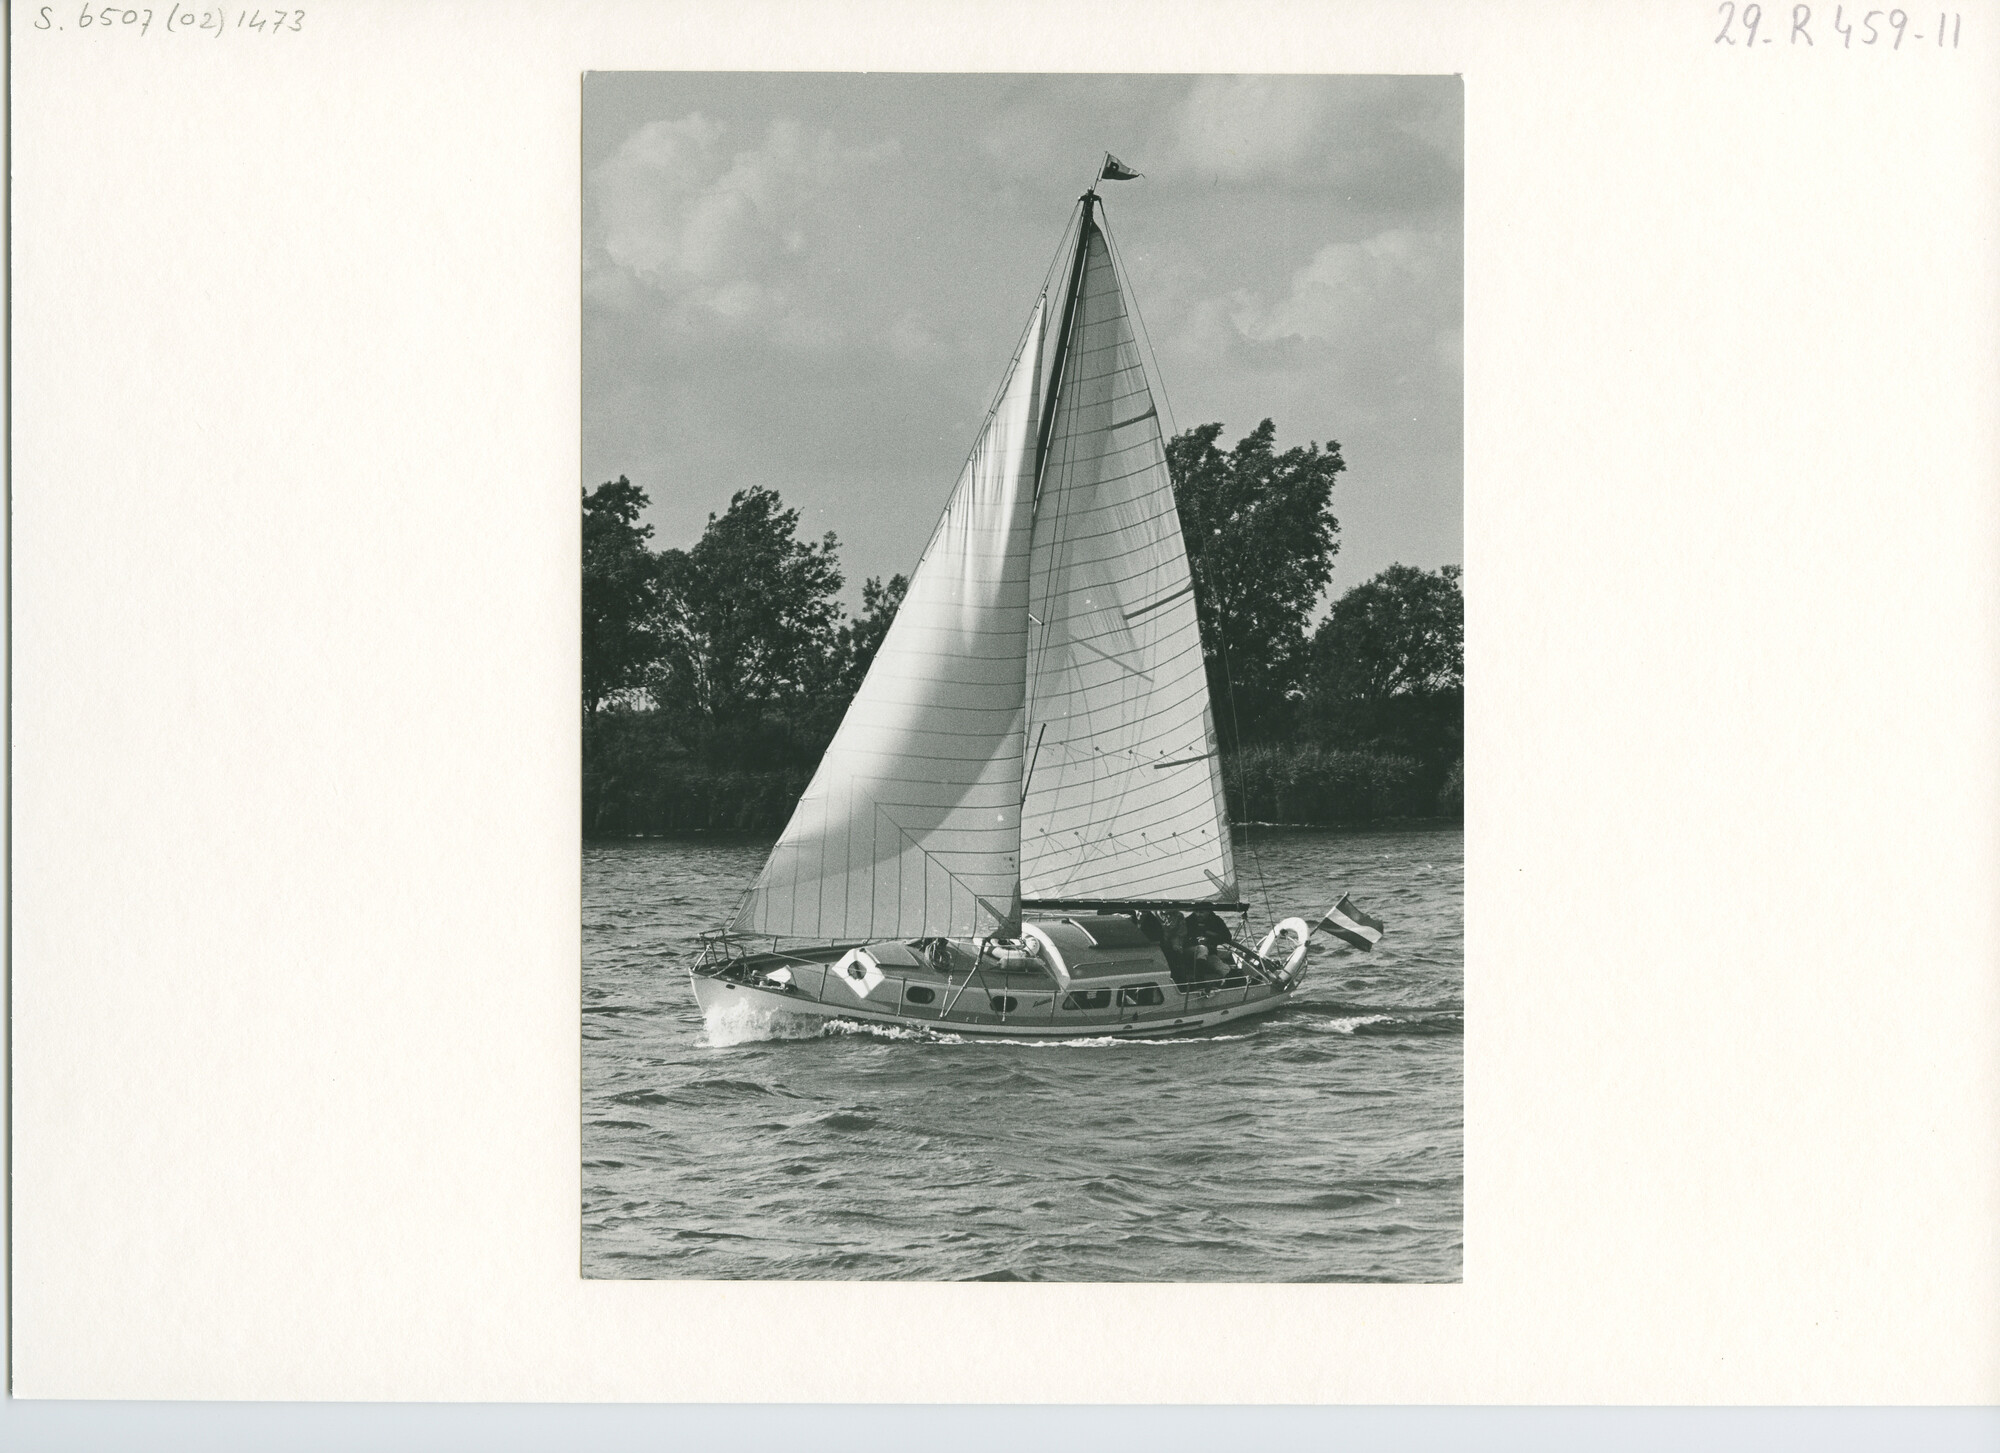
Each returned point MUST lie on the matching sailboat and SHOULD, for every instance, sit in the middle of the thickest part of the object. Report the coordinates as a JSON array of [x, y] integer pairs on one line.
[[1019, 828]]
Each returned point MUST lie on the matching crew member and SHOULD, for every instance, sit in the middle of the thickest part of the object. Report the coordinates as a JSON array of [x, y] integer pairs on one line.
[[1208, 933]]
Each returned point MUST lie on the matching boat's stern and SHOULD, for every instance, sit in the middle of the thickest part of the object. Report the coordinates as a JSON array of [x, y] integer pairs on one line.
[[1284, 948]]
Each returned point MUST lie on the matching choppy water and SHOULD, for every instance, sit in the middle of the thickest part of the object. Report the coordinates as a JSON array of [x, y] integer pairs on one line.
[[1324, 1143]]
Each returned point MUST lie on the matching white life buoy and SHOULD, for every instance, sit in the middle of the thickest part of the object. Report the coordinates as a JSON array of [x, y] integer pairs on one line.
[[1023, 954], [1294, 966]]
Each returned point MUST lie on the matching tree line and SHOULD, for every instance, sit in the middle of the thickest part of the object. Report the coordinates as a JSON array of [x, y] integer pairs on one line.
[[714, 677]]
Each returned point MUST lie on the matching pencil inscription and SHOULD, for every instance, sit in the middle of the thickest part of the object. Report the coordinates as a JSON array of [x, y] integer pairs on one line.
[[178, 19], [1750, 27]]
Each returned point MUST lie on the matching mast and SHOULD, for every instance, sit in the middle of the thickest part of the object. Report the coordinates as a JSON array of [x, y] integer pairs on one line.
[[1063, 336]]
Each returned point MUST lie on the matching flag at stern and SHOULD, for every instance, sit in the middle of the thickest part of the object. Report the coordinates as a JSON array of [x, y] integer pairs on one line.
[[1350, 924]]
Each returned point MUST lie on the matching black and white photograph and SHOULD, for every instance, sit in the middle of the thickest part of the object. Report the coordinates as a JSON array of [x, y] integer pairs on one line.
[[1022, 677], [1225, 677]]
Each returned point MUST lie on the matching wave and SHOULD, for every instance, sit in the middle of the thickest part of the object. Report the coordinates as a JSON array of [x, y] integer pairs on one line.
[[726, 1087], [1379, 1020], [1347, 1026], [1442, 1024], [642, 1097], [845, 1120]]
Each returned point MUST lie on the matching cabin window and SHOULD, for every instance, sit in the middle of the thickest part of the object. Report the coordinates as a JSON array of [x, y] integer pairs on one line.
[[1088, 999], [1003, 1003], [1134, 996], [918, 994]]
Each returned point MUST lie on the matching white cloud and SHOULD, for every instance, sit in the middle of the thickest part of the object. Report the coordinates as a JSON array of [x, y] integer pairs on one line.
[[1351, 287], [1364, 334], [911, 338], [716, 232], [639, 191], [1241, 128], [1385, 144]]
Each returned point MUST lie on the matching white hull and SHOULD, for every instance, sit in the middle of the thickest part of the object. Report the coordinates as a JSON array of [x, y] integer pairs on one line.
[[719, 995], [1186, 1011]]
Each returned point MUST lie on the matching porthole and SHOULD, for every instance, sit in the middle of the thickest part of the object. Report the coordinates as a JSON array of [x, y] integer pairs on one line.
[[1003, 1003], [918, 994]]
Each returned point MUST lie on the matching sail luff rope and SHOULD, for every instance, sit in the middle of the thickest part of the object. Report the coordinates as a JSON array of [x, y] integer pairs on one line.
[[1060, 376], [1228, 676], [1006, 381], [954, 882], [1045, 427], [1045, 435], [1046, 439], [1000, 394]]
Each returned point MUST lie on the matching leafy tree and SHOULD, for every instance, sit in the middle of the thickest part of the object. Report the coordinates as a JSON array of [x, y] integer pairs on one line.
[[1388, 664], [621, 593], [861, 638], [750, 657], [1262, 540]]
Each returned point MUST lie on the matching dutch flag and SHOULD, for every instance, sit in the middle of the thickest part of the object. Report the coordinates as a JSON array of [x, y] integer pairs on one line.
[[1350, 925]]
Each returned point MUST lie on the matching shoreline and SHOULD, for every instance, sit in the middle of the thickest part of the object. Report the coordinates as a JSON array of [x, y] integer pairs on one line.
[[1237, 830]]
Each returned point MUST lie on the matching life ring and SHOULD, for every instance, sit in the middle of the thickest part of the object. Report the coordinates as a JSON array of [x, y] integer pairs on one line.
[[1294, 967], [1021, 954]]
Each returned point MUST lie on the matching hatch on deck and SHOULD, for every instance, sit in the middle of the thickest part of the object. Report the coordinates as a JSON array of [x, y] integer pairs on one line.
[[1112, 931], [1096, 947]]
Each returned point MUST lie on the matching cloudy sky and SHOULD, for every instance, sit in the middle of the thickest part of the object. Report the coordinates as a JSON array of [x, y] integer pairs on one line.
[[813, 282]]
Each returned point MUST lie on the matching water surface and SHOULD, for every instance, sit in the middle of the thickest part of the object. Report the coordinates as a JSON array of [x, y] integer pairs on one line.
[[1324, 1143]]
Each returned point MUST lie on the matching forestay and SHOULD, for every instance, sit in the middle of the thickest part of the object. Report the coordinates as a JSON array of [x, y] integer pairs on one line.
[[911, 826], [1123, 798]]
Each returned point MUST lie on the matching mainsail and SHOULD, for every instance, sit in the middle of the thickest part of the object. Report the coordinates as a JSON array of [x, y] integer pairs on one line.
[[1124, 796], [912, 824], [1036, 724]]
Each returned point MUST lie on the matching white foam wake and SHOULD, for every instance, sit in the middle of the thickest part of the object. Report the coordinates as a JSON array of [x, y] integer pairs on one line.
[[889, 1031], [744, 1021], [1348, 1026], [1101, 1040]]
